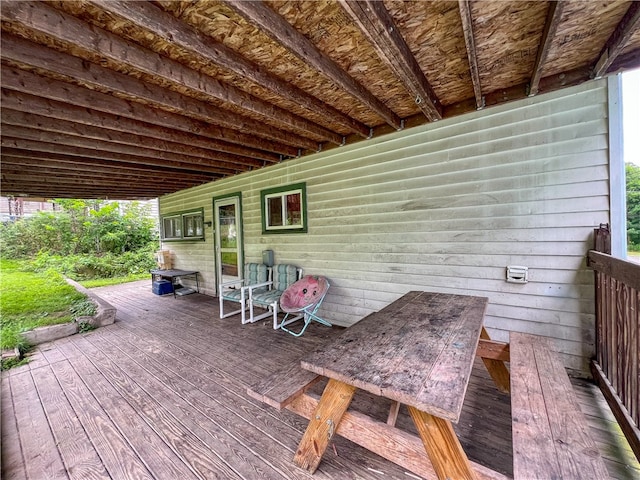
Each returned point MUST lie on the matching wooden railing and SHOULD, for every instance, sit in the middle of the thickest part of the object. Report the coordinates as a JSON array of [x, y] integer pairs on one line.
[[616, 367]]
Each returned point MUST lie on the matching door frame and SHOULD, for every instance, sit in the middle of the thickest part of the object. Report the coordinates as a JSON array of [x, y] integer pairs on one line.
[[223, 200]]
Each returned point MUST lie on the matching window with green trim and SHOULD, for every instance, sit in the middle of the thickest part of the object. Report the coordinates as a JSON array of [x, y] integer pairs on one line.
[[284, 209], [183, 226]]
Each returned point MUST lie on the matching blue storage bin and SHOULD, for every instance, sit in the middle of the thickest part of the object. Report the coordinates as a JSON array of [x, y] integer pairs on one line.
[[162, 287]]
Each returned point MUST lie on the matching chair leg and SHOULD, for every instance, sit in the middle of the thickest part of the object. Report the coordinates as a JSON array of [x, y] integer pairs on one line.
[[307, 321]]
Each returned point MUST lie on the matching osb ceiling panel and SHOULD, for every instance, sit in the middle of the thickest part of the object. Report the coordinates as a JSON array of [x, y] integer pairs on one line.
[[164, 95]]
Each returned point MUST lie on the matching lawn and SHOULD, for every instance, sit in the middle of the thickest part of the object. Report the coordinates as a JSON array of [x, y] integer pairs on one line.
[[29, 300]]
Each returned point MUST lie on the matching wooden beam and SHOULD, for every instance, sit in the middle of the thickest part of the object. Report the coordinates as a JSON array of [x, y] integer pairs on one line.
[[378, 25], [79, 191], [118, 84], [100, 147], [282, 32], [28, 82], [398, 446], [36, 127], [81, 152], [99, 43], [23, 103], [84, 178], [164, 25], [554, 14], [625, 61], [472, 56], [55, 110], [32, 160], [627, 27]]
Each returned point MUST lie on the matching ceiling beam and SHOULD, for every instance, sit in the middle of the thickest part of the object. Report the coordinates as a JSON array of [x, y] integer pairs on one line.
[[17, 173], [121, 141], [554, 14], [472, 56], [626, 61], [155, 157], [31, 104], [84, 152], [172, 30], [34, 160], [39, 17], [31, 83], [378, 25], [109, 81], [627, 27], [50, 189], [276, 27]]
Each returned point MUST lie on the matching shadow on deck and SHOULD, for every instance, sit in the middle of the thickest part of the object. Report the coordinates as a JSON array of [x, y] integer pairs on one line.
[[161, 394]]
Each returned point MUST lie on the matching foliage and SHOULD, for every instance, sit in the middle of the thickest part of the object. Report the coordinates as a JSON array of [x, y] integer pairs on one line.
[[83, 308], [81, 227], [633, 206], [108, 265], [29, 300], [87, 239]]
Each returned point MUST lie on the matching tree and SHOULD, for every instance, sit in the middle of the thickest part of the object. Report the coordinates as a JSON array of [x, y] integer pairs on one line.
[[633, 205]]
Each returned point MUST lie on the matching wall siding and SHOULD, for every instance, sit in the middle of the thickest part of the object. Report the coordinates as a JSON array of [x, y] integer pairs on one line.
[[446, 207]]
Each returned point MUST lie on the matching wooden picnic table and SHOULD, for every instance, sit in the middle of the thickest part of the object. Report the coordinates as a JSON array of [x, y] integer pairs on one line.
[[419, 351]]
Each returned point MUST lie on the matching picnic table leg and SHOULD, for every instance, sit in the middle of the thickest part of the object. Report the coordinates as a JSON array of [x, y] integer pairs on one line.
[[443, 447], [325, 420], [497, 369]]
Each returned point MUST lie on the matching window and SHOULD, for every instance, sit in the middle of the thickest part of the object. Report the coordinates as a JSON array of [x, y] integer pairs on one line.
[[284, 209], [183, 226]]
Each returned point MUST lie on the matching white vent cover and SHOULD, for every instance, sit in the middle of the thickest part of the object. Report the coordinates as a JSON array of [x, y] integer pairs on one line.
[[517, 274]]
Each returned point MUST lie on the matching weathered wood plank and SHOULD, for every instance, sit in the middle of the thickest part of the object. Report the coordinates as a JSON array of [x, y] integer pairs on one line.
[[41, 456], [12, 464], [550, 432], [80, 458], [375, 354], [281, 387], [118, 457]]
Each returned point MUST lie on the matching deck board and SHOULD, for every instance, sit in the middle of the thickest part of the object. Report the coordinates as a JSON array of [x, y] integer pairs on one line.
[[161, 394]]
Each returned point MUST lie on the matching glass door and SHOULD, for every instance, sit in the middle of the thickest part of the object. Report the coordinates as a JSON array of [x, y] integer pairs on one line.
[[228, 218]]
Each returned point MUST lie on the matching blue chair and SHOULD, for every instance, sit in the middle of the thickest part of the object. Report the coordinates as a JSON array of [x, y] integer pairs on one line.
[[255, 274], [283, 276]]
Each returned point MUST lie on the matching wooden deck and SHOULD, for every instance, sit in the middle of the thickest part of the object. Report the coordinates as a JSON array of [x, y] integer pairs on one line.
[[161, 394]]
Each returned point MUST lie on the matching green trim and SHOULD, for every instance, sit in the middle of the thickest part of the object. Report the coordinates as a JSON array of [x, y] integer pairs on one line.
[[182, 214], [303, 207]]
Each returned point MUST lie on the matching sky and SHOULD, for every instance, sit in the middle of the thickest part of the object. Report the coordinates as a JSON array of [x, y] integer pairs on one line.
[[631, 115]]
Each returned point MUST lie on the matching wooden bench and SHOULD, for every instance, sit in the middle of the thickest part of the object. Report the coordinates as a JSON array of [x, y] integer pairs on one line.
[[550, 433], [283, 386]]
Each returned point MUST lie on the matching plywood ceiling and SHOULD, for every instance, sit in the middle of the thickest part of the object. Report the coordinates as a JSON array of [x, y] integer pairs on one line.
[[133, 99]]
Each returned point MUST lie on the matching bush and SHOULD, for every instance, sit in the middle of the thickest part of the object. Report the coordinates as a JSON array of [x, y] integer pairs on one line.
[[83, 227], [86, 267]]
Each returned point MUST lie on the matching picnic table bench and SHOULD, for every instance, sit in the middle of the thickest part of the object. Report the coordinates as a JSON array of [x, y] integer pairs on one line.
[[550, 434]]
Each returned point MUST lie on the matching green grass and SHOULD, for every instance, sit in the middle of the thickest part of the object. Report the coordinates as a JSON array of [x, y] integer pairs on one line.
[[104, 282], [29, 300]]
